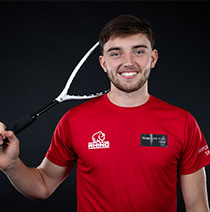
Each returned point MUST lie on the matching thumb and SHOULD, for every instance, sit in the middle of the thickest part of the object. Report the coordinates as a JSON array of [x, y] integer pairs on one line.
[[9, 136], [6, 136], [2, 129]]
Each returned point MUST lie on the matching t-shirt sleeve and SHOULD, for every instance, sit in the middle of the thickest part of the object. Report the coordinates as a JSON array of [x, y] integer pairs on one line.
[[195, 152], [60, 151]]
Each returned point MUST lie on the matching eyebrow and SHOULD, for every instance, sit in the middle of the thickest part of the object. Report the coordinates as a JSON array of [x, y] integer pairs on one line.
[[134, 47], [140, 46], [113, 49]]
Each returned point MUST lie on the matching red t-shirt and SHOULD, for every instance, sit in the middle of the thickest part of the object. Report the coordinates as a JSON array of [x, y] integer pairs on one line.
[[128, 159]]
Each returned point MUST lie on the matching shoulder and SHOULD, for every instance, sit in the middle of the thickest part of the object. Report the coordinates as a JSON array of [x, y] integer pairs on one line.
[[91, 106], [94, 103], [167, 107], [175, 114]]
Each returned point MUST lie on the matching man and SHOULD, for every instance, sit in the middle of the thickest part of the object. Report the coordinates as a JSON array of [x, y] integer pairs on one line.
[[129, 146]]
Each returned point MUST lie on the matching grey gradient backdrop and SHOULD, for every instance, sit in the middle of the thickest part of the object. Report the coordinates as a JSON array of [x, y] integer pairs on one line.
[[40, 43]]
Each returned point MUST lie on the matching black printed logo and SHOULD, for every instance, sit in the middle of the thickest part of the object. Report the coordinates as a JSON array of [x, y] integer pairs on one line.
[[153, 140]]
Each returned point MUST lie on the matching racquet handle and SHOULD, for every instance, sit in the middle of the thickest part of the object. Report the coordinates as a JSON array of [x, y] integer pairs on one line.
[[20, 124], [24, 122]]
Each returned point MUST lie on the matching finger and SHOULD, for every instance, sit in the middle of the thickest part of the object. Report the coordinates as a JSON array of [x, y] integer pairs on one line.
[[8, 134], [2, 126], [8, 138], [1, 140], [2, 129]]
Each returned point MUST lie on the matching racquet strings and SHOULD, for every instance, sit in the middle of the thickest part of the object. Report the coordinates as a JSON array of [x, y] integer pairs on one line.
[[90, 79]]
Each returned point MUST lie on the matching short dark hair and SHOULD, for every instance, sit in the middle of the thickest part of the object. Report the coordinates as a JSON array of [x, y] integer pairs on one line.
[[125, 25]]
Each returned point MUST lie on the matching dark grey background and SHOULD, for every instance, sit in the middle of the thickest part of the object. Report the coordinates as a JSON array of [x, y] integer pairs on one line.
[[41, 42]]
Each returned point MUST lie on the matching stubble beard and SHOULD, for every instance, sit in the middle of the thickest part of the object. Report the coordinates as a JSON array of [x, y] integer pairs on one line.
[[129, 87]]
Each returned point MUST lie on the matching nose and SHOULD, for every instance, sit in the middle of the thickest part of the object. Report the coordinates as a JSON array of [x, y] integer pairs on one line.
[[128, 60]]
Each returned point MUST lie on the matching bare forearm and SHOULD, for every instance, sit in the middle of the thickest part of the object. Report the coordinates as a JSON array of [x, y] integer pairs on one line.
[[28, 181], [35, 183], [198, 210], [194, 191], [201, 206]]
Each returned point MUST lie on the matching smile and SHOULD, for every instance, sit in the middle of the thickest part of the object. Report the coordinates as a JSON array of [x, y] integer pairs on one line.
[[129, 74]]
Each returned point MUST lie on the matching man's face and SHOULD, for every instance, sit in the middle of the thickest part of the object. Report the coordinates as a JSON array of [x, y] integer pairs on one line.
[[128, 61]]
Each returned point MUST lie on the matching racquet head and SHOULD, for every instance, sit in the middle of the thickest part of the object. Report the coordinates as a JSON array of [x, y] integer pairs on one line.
[[87, 80]]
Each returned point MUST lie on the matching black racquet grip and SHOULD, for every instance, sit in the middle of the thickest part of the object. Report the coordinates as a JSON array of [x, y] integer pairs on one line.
[[27, 120], [22, 123]]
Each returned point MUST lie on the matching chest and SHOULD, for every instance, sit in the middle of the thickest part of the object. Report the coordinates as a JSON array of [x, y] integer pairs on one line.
[[115, 141]]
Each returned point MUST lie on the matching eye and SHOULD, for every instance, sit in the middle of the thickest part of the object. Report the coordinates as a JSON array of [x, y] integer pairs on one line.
[[114, 54], [139, 52]]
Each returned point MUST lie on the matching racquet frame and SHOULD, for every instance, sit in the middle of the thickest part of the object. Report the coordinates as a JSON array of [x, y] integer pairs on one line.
[[26, 121]]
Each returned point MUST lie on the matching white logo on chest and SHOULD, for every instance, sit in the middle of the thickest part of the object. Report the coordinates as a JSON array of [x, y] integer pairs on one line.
[[98, 141]]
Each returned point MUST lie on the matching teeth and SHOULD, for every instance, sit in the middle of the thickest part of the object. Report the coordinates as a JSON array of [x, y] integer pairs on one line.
[[128, 74]]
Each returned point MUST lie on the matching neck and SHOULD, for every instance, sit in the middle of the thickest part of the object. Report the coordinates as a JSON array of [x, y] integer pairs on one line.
[[132, 99]]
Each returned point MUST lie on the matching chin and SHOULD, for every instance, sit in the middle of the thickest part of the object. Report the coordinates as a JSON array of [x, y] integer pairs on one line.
[[130, 89]]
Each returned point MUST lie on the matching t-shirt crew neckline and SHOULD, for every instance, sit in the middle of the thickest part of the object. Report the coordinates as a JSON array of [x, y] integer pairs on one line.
[[121, 108]]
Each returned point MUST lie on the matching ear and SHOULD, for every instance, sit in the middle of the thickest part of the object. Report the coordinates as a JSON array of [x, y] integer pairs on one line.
[[154, 57], [102, 62]]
